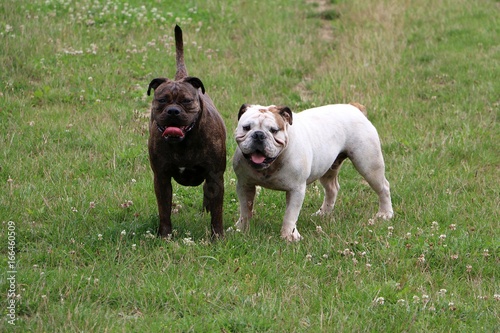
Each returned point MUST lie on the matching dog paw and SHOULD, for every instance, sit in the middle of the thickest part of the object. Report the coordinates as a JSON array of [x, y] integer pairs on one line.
[[384, 215], [318, 213], [322, 212], [292, 236], [240, 226]]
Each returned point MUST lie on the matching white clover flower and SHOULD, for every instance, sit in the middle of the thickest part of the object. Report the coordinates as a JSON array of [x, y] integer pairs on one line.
[[347, 252], [188, 241], [421, 258]]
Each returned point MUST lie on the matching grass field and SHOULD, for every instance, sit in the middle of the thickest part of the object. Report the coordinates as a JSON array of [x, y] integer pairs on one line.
[[77, 199]]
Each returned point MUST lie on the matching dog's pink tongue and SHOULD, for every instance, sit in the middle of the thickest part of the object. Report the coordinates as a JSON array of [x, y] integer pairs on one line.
[[258, 158], [173, 131]]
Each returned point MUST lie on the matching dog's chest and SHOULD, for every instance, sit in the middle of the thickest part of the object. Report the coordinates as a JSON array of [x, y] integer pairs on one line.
[[271, 178]]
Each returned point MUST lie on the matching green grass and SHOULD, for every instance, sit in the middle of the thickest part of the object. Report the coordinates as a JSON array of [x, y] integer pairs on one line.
[[76, 182]]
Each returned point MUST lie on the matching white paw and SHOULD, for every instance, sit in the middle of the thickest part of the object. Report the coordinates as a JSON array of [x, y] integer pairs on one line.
[[384, 215], [291, 236], [240, 225], [318, 213]]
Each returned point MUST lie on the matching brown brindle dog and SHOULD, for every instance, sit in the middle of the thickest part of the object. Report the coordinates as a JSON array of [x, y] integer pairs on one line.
[[187, 142]]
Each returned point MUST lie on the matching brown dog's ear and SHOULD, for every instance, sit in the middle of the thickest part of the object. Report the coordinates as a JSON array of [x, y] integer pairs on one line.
[[195, 82], [155, 83], [286, 113], [243, 108]]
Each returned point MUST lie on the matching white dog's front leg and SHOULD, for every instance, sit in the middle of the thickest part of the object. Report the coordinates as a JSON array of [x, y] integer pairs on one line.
[[294, 200], [246, 196]]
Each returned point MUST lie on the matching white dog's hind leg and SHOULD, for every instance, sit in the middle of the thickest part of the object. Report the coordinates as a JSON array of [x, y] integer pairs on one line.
[[330, 182], [373, 170], [246, 196], [385, 204], [294, 200]]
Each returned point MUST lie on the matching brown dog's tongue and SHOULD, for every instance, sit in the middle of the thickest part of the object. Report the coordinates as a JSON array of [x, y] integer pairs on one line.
[[173, 131], [258, 158]]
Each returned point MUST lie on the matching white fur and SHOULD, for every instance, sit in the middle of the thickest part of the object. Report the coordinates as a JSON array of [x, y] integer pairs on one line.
[[308, 149]]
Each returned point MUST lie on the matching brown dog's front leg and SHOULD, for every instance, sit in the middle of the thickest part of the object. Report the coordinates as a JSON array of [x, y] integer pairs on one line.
[[163, 191], [213, 192]]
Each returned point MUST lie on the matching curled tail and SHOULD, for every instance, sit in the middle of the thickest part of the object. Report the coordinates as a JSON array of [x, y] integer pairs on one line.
[[179, 54], [361, 108]]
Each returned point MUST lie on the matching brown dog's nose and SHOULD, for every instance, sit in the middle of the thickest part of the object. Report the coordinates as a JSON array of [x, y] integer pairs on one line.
[[173, 112]]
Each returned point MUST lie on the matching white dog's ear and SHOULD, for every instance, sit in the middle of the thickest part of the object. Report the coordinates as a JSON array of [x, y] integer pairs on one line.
[[286, 113], [243, 108]]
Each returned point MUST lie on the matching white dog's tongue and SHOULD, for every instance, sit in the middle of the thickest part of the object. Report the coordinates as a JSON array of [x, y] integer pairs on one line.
[[258, 158], [173, 131]]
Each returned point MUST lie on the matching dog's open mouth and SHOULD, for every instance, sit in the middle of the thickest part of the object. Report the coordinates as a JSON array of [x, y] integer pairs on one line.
[[259, 160], [174, 133]]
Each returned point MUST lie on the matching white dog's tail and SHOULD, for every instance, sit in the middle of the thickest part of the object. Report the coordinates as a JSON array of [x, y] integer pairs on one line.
[[179, 54], [361, 108]]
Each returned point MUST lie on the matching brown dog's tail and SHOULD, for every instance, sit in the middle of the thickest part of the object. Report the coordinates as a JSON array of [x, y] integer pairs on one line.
[[361, 108], [179, 54]]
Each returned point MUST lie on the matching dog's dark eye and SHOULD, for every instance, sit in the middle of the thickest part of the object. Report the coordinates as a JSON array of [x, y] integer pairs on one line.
[[246, 128], [187, 101], [162, 100], [274, 130]]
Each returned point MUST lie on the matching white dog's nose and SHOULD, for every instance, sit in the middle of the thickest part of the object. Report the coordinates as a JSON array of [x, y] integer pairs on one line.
[[259, 136]]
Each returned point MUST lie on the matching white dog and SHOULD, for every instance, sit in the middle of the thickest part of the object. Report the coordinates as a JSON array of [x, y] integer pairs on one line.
[[285, 151]]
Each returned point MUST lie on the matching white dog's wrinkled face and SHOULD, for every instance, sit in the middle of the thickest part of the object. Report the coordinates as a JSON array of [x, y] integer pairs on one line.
[[262, 133]]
